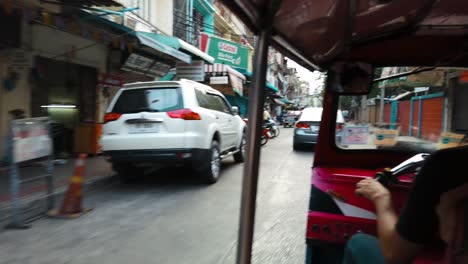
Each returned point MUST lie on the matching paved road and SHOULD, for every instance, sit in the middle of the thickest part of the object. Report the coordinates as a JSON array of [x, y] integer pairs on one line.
[[170, 218]]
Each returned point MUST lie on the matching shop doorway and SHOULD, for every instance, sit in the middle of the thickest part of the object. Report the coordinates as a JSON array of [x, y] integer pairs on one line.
[[65, 92], [459, 120]]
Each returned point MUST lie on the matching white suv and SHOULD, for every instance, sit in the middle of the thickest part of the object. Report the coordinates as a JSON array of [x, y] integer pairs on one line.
[[172, 122]]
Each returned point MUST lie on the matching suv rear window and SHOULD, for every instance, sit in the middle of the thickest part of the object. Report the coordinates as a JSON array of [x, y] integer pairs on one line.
[[150, 100], [212, 101]]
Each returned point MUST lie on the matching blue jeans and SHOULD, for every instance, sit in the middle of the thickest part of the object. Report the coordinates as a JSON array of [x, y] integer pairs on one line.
[[362, 248]]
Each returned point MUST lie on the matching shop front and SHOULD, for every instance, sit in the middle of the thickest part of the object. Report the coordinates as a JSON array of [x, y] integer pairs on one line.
[[230, 82], [64, 87]]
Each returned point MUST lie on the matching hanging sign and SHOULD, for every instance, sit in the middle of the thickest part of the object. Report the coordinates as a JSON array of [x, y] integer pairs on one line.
[[31, 139], [421, 89], [450, 140], [194, 71], [237, 84], [110, 80], [386, 137], [355, 135], [225, 51]]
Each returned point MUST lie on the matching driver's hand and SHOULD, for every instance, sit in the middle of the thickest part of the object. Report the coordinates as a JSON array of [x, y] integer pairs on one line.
[[372, 190]]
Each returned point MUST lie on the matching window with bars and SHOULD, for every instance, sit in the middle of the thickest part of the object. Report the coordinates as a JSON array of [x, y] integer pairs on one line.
[[187, 26]]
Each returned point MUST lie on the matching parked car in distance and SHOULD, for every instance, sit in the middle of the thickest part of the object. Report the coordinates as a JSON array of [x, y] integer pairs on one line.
[[172, 123], [307, 127]]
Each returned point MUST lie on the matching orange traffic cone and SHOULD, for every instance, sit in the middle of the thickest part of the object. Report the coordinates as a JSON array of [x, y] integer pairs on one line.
[[72, 204]]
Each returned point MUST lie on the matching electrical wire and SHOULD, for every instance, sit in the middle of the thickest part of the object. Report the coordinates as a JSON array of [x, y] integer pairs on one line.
[[190, 23]]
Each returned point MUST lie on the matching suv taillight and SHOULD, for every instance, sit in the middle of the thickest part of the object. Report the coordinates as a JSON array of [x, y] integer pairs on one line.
[[185, 114], [108, 117], [302, 125]]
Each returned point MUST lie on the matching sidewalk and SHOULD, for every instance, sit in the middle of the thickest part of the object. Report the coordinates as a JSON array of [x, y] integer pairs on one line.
[[97, 168]]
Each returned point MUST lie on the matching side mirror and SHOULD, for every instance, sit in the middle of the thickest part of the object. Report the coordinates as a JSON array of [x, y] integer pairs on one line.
[[350, 78], [235, 110]]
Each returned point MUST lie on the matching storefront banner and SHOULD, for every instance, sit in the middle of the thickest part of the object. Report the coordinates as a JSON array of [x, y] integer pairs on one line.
[[219, 80], [194, 71], [225, 51], [146, 66], [31, 139]]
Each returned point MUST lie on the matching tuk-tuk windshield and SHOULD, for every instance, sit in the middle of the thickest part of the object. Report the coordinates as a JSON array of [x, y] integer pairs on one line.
[[420, 112]]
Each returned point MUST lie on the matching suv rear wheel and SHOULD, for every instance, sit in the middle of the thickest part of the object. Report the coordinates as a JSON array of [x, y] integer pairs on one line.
[[240, 156], [209, 172]]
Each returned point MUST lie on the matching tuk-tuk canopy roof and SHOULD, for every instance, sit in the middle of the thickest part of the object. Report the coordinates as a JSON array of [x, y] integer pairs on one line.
[[382, 32]]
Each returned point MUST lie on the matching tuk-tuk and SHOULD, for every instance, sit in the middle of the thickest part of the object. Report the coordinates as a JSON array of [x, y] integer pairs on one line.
[[377, 54]]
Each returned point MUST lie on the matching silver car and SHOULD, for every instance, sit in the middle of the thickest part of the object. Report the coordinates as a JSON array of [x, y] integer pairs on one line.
[[307, 127]]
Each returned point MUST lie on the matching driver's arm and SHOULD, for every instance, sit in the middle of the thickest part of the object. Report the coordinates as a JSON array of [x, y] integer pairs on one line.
[[395, 248]]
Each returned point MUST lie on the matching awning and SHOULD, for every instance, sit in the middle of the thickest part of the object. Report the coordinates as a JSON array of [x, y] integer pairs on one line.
[[249, 74], [179, 44], [204, 6], [92, 2], [278, 101], [272, 87], [220, 72], [161, 48], [167, 77]]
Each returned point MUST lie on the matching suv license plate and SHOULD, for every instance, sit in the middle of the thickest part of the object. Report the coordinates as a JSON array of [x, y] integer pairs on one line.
[[143, 128]]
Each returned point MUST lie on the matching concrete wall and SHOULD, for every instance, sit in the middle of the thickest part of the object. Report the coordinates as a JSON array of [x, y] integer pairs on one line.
[[163, 16], [19, 98], [158, 13]]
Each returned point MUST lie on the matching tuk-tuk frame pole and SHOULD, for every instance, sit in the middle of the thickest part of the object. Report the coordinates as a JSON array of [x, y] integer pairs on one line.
[[254, 133], [252, 163]]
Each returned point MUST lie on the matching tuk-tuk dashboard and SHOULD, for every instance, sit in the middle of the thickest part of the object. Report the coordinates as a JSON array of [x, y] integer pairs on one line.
[[336, 212]]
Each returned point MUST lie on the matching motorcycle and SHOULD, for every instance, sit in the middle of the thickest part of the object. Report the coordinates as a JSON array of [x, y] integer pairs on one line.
[[266, 132], [273, 126]]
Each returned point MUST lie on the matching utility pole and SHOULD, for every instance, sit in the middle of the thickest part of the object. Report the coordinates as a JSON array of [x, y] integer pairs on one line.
[[363, 116], [381, 109]]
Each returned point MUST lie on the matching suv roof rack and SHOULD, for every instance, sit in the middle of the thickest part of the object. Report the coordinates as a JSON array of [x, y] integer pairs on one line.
[[151, 83]]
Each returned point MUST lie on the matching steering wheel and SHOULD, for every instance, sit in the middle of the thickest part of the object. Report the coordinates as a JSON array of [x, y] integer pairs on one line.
[[390, 175]]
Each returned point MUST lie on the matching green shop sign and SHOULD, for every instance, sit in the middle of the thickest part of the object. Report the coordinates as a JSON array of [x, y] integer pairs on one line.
[[225, 51]]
